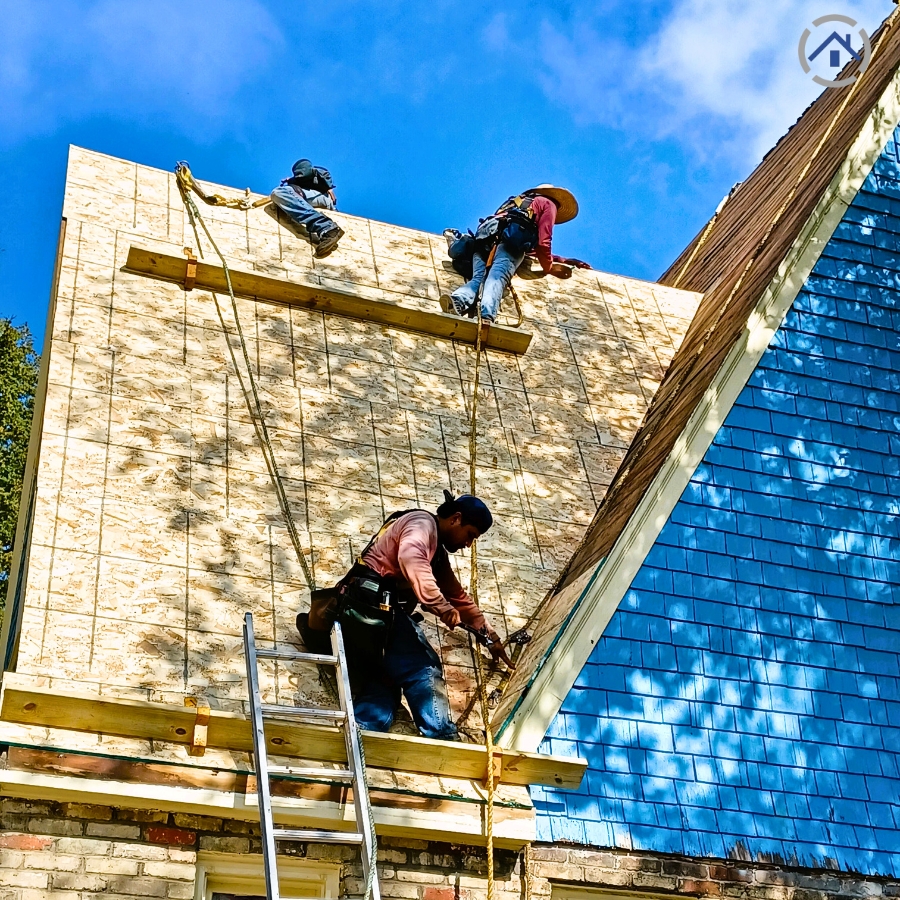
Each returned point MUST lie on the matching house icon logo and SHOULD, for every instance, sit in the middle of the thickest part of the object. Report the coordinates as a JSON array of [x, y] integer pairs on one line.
[[832, 49]]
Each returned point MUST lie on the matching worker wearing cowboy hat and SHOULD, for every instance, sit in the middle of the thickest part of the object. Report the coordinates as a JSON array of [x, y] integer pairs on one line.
[[522, 225]]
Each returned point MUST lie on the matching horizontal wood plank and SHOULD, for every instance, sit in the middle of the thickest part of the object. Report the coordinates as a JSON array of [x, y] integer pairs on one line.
[[27, 703], [330, 300]]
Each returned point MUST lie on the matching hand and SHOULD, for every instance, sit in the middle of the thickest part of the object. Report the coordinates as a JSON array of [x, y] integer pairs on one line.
[[498, 652], [561, 270], [496, 648], [577, 263], [450, 617]]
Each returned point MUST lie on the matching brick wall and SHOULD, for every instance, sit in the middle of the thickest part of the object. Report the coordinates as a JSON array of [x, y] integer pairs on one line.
[[745, 697], [68, 850], [75, 851]]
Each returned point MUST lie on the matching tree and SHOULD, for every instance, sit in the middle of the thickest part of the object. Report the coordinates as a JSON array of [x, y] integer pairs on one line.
[[18, 379]]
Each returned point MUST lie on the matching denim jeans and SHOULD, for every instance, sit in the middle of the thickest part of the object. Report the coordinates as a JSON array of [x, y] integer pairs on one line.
[[300, 209], [411, 667], [498, 278]]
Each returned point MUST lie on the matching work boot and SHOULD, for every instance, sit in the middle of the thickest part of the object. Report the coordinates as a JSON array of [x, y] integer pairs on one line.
[[452, 235], [450, 304], [326, 241]]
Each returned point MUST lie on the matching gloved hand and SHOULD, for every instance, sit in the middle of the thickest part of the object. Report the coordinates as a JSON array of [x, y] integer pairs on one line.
[[496, 648], [450, 617], [577, 263]]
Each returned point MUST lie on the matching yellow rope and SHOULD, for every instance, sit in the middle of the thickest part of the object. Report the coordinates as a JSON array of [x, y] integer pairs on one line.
[[187, 182], [473, 590]]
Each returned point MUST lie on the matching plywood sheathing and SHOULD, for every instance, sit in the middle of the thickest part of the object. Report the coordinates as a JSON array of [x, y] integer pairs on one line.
[[156, 524]]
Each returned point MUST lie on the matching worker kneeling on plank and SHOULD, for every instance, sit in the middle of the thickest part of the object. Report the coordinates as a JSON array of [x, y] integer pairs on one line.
[[522, 225], [301, 197], [406, 563]]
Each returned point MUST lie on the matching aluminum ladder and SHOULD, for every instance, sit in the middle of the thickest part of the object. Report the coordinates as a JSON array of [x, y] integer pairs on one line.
[[353, 775]]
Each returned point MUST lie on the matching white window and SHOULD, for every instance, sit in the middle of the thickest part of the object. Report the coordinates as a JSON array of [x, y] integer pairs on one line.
[[223, 876]]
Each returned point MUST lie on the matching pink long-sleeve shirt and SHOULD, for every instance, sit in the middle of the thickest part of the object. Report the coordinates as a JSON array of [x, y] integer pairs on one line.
[[545, 218], [405, 551]]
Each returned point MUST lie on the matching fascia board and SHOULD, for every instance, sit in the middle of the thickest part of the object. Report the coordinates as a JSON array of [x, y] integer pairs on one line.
[[600, 598]]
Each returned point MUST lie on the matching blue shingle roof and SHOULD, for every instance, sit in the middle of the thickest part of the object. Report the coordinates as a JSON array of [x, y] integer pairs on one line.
[[747, 691]]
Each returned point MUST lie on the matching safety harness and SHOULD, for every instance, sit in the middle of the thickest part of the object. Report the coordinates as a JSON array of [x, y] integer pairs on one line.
[[513, 224], [318, 179]]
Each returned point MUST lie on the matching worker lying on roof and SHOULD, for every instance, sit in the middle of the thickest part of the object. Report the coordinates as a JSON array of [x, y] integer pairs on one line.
[[522, 225], [405, 564], [301, 196]]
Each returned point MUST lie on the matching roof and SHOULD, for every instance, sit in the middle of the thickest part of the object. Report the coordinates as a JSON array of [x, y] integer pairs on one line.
[[736, 260]]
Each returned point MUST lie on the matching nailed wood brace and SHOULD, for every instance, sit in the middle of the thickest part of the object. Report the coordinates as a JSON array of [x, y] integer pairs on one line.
[[330, 300], [190, 272], [26, 702], [200, 731]]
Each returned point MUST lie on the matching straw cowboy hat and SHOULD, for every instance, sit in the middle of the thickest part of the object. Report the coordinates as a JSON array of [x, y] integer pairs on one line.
[[564, 199]]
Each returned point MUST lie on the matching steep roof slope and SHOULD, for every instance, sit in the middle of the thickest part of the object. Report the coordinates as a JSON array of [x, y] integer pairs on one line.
[[737, 260]]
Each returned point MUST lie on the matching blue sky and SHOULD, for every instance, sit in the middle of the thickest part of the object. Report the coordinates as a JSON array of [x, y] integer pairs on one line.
[[428, 114]]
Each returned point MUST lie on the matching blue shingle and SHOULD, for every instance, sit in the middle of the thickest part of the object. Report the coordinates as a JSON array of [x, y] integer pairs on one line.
[[747, 690]]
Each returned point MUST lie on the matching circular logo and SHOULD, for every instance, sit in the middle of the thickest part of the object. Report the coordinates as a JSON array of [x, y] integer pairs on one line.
[[833, 49]]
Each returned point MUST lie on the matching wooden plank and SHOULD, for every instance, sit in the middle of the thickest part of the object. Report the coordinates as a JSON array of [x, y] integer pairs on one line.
[[26, 703], [396, 815], [330, 300]]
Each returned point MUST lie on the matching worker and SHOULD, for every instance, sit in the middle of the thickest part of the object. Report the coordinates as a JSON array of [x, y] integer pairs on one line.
[[522, 225], [300, 197], [404, 565]]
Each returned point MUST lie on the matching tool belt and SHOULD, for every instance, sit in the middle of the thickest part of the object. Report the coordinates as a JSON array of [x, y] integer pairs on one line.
[[366, 604]]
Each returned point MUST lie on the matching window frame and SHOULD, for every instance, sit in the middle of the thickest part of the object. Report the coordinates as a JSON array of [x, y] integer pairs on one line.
[[230, 873]]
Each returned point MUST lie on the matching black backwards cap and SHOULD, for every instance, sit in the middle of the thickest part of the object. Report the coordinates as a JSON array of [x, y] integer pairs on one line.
[[473, 510]]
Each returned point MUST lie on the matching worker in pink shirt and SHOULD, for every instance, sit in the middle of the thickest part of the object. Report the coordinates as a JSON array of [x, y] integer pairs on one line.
[[523, 225], [404, 565]]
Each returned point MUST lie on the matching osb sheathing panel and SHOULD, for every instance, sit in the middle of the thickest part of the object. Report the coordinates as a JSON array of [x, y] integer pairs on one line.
[[157, 527]]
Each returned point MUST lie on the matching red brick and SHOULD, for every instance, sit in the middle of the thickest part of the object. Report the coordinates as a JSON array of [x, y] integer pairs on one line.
[[24, 842], [729, 873], [435, 893], [161, 834]]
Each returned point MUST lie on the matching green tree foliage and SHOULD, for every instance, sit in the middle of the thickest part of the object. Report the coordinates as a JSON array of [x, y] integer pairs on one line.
[[18, 379]]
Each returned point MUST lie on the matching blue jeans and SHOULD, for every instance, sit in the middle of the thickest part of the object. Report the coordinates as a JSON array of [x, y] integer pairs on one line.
[[300, 210], [411, 667], [498, 278]]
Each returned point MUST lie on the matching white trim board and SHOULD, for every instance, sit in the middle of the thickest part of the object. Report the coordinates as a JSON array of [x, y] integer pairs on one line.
[[465, 826], [526, 726]]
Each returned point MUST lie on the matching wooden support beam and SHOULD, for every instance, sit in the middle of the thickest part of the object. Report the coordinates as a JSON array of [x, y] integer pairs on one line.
[[26, 703], [35, 774], [329, 300]]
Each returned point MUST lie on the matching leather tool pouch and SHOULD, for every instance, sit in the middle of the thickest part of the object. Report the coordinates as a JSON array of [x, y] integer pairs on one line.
[[362, 604]]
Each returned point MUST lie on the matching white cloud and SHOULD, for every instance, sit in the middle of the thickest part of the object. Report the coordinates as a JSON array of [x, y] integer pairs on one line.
[[63, 59], [721, 76], [737, 62]]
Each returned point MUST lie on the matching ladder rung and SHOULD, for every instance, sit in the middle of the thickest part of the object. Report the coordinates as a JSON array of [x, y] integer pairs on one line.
[[302, 712], [312, 834], [311, 772], [320, 659]]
